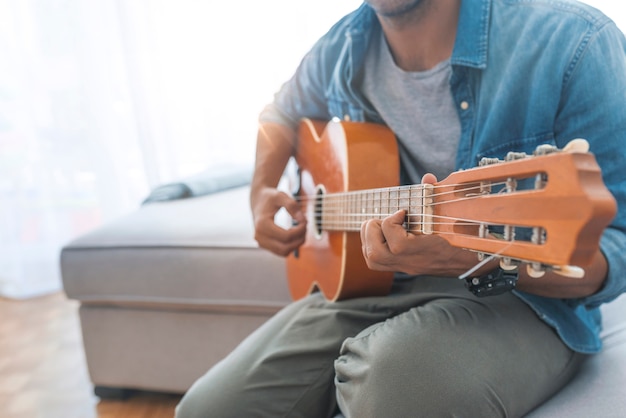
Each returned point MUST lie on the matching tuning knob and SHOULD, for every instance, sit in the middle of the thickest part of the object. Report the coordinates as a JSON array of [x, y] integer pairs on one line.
[[570, 271], [578, 145], [534, 271]]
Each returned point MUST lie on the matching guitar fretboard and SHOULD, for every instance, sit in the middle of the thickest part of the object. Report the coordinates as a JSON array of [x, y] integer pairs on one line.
[[347, 211]]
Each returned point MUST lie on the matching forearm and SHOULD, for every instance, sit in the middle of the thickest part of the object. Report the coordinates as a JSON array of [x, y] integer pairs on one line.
[[275, 145]]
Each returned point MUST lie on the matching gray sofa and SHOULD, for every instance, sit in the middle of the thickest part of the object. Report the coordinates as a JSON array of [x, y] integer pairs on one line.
[[168, 290]]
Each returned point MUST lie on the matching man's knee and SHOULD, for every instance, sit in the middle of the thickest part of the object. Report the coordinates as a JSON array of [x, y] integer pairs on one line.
[[195, 404], [204, 400], [430, 386], [394, 370]]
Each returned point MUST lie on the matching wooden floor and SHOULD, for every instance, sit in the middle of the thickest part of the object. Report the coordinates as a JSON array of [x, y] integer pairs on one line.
[[43, 372]]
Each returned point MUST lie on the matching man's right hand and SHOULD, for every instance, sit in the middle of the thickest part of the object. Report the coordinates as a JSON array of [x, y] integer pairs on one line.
[[268, 201]]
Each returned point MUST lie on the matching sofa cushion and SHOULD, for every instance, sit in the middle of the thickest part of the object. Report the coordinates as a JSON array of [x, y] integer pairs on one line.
[[599, 389], [211, 181], [192, 252]]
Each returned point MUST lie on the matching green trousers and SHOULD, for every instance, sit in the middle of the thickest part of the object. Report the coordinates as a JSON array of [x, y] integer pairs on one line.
[[429, 349]]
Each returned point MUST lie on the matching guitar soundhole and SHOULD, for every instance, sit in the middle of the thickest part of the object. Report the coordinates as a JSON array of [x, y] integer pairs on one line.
[[318, 208]]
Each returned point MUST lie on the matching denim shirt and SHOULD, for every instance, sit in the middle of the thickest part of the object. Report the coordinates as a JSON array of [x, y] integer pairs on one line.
[[525, 73]]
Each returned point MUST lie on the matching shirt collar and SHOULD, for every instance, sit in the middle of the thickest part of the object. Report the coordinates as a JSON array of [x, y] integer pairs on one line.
[[472, 36]]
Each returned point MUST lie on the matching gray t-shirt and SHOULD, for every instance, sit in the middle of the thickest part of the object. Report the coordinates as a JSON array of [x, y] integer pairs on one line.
[[418, 107]]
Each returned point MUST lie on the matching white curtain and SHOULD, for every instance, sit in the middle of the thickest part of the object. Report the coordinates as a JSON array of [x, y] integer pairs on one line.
[[100, 100]]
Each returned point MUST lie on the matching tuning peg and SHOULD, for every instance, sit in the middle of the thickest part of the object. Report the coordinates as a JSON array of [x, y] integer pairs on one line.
[[578, 145], [570, 271], [535, 270], [507, 264]]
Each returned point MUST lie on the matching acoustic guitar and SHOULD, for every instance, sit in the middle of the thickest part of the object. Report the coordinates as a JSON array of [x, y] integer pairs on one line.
[[548, 209]]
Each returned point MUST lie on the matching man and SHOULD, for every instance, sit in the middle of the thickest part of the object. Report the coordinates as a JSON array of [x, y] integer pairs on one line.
[[455, 81]]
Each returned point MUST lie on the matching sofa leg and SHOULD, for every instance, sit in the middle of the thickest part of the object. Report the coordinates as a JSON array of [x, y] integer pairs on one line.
[[106, 392]]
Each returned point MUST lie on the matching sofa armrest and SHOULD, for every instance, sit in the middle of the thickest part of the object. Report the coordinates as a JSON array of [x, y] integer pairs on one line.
[[202, 184]]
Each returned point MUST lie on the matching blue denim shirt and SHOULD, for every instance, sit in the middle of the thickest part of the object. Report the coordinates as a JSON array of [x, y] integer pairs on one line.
[[525, 73]]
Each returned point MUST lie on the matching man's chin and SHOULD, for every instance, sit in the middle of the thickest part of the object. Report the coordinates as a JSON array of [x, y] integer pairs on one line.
[[394, 8]]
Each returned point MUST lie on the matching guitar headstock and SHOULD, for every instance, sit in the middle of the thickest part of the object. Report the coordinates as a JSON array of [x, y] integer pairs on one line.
[[549, 208]]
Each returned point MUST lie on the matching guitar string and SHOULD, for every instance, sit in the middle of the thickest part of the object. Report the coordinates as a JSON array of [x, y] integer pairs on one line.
[[393, 197], [385, 193], [359, 217], [485, 261], [335, 204], [450, 221], [333, 220]]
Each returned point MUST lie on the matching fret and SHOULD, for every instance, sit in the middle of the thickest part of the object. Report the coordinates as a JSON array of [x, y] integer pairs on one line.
[[338, 212], [403, 198], [384, 202], [393, 201], [415, 209], [334, 218], [376, 213], [362, 207], [344, 209], [356, 212], [349, 208]]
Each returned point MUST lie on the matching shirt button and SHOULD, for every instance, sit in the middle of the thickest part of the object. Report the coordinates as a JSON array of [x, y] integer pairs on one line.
[[464, 105]]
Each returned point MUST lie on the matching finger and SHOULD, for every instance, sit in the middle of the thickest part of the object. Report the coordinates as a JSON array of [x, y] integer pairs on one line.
[[429, 178], [282, 247], [292, 206], [363, 232], [393, 225], [394, 230], [373, 242], [278, 239], [395, 219]]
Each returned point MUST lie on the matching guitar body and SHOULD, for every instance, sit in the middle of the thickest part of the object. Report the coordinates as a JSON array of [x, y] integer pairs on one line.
[[335, 158]]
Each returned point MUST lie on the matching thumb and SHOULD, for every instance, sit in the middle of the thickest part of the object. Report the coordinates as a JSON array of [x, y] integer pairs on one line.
[[429, 178], [293, 208]]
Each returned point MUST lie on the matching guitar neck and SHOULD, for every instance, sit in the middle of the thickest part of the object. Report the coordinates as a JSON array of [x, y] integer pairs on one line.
[[347, 211]]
